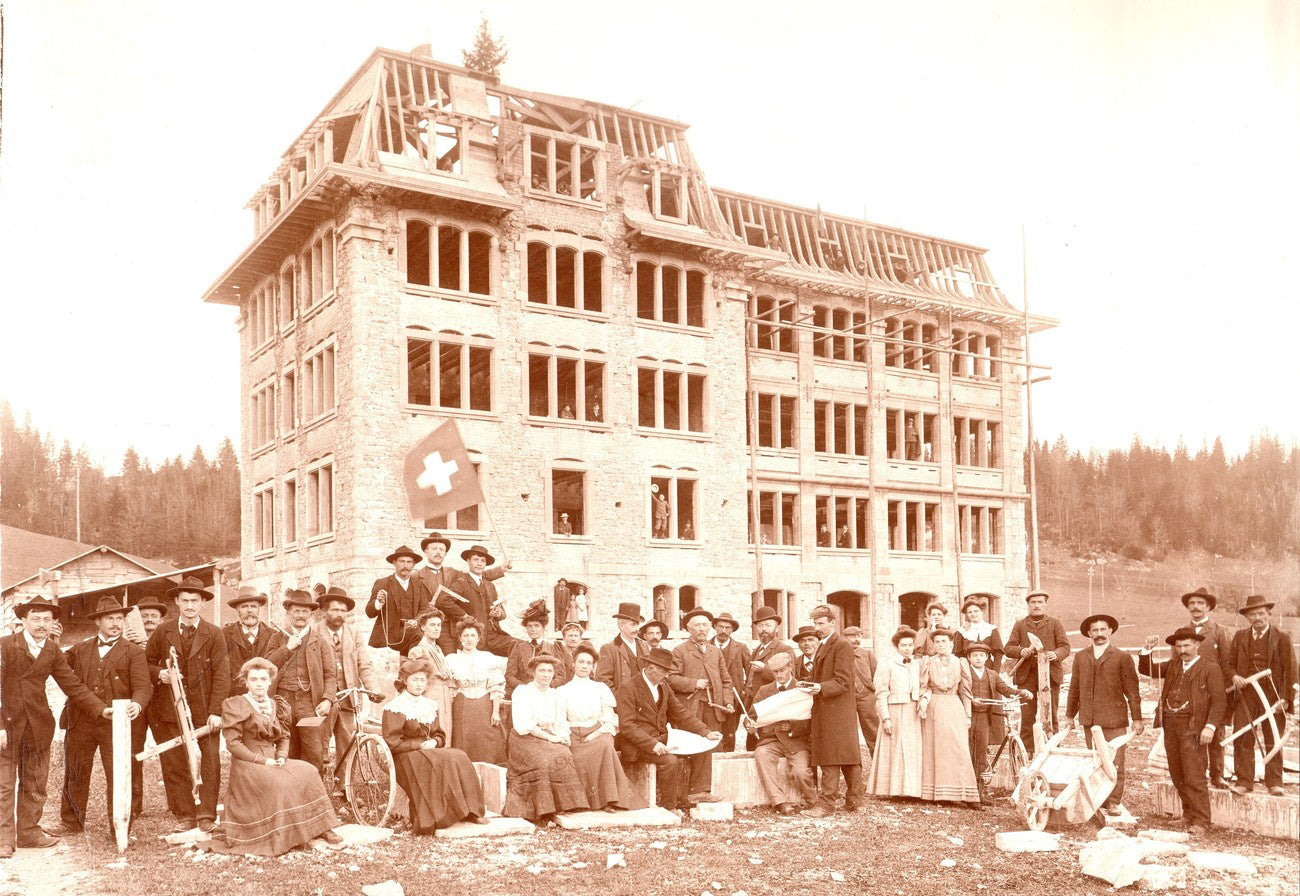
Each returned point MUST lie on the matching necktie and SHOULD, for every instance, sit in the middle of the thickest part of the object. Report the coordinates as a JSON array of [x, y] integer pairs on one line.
[[251, 636], [534, 648], [187, 632]]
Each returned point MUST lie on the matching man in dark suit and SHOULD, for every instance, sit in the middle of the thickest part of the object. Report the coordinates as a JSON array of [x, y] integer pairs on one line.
[[113, 669], [1193, 705], [834, 731], [436, 573], [1254, 649], [395, 602], [307, 680], [205, 672], [484, 604], [535, 617], [27, 660], [1104, 693], [620, 659], [766, 623], [1021, 651], [736, 657], [646, 707], [701, 682], [249, 636], [864, 685], [782, 753], [1215, 646]]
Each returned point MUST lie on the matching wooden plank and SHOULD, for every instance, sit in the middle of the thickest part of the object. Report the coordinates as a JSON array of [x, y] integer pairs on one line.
[[121, 808]]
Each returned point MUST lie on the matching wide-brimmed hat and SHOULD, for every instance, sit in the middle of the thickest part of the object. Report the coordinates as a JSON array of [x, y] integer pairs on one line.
[[851, 631], [903, 632], [629, 611], [1255, 602], [39, 602], [334, 592], [435, 537], [246, 594], [696, 611], [662, 626], [1201, 592], [105, 606], [537, 611], [150, 603], [762, 614], [193, 586], [727, 618], [659, 657], [1098, 617], [403, 551], [1183, 634], [980, 602], [298, 598], [806, 631], [480, 550]]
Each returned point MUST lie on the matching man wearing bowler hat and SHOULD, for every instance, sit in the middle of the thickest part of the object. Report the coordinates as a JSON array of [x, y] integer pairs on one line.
[[352, 667], [484, 603], [435, 573], [1192, 709], [1256, 648], [701, 681], [736, 657], [248, 636], [1214, 646], [28, 659], [619, 660], [204, 666], [1021, 651], [766, 623], [1104, 693], [646, 707], [114, 669], [395, 602], [307, 680]]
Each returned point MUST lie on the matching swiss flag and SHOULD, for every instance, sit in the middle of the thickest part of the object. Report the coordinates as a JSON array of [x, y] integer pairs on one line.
[[439, 476]]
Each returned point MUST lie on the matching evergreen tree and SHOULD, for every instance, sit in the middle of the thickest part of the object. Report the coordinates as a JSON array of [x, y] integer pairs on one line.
[[488, 53]]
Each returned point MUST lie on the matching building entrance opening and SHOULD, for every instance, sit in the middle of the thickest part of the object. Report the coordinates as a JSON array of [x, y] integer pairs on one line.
[[911, 609]]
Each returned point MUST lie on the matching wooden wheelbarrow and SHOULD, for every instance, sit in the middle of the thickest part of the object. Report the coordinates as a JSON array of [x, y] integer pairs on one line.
[[1072, 782]]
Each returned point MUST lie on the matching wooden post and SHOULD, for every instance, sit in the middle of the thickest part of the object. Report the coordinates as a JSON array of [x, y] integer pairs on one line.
[[121, 808]]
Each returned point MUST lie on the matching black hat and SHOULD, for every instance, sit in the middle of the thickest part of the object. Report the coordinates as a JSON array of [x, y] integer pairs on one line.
[[299, 598], [403, 551], [106, 606], [762, 614], [659, 657], [1183, 634], [247, 594], [1201, 592], [727, 618], [629, 611], [150, 603], [435, 537], [536, 611], [662, 626], [38, 603], [903, 632], [806, 631], [193, 586], [1098, 617], [1255, 602], [334, 592], [477, 549], [696, 611]]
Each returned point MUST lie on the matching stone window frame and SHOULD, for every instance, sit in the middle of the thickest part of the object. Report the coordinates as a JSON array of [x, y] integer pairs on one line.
[[582, 357], [988, 442], [928, 430], [568, 465], [840, 335], [675, 605], [674, 476], [857, 429], [287, 289], [580, 146], [683, 370], [289, 401], [467, 341], [826, 501], [776, 402], [686, 270], [289, 511], [318, 269], [263, 514], [262, 317], [263, 416], [981, 529], [582, 246], [316, 366], [667, 179], [312, 474], [977, 352], [911, 343], [466, 228], [782, 496], [916, 513], [783, 327]]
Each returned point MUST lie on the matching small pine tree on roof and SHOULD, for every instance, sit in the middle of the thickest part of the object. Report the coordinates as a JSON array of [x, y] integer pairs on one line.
[[487, 54]]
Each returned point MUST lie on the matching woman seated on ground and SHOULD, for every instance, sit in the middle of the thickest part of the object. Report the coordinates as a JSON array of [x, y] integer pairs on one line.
[[947, 774], [440, 781], [440, 685], [480, 687], [593, 720], [542, 780], [272, 803], [896, 765]]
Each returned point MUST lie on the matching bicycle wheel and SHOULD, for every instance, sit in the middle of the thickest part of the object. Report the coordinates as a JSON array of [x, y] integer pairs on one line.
[[370, 781], [1017, 756]]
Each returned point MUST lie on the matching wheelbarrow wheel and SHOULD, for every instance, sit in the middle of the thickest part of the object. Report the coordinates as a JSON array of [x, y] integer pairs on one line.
[[1036, 801]]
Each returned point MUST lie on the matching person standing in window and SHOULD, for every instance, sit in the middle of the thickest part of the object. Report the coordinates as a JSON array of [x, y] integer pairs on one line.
[[563, 526]]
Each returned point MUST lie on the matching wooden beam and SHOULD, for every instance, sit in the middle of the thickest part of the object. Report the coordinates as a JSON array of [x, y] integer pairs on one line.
[[121, 808]]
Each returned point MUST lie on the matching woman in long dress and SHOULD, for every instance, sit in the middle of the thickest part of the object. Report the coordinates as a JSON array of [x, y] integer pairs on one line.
[[589, 708], [542, 780], [945, 710], [480, 687], [896, 765], [439, 781], [440, 683], [273, 803], [977, 630]]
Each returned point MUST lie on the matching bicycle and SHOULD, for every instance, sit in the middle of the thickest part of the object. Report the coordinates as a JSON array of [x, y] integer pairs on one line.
[[369, 776], [1017, 756]]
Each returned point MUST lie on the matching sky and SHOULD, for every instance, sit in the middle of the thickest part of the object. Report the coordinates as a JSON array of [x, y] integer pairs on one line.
[[1147, 151]]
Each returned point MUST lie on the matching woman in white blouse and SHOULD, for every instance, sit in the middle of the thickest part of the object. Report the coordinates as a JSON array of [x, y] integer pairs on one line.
[[590, 711], [480, 687], [541, 780]]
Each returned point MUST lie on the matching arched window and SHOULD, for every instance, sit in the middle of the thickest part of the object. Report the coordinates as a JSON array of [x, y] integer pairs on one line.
[[821, 340], [448, 257]]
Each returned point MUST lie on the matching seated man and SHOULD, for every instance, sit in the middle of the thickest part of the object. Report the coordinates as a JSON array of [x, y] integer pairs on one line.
[[782, 752], [646, 706]]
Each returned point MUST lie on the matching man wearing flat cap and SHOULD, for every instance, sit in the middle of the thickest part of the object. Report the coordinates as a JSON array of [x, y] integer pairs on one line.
[[1258, 647], [248, 636], [736, 657], [782, 753], [484, 603], [395, 602], [701, 681], [1214, 647], [1104, 693], [619, 660], [766, 623], [307, 680], [1023, 654]]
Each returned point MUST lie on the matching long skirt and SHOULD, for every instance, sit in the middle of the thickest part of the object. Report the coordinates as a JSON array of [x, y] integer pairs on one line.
[[272, 809], [541, 779], [602, 774], [896, 764], [473, 731], [946, 770], [442, 786]]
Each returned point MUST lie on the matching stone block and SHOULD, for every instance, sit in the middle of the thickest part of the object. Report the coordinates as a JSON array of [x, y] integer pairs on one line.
[[1117, 863], [492, 778], [625, 818], [1027, 841], [1148, 849], [720, 811], [1253, 813], [357, 835], [1163, 877], [1112, 834], [1225, 862], [497, 826], [735, 779], [643, 778]]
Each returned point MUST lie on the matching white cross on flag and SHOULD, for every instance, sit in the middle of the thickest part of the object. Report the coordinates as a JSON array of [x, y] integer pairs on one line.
[[439, 476]]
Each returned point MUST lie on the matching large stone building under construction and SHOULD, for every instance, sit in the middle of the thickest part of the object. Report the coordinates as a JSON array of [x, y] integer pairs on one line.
[[558, 276]]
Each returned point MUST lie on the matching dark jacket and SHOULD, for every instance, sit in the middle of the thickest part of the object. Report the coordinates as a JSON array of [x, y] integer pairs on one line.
[[401, 605], [791, 736], [481, 598], [1104, 692], [617, 664], [864, 674], [318, 657], [1281, 659], [452, 609], [24, 707], [1209, 700], [122, 674], [268, 644], [763, 653], [989, 687], [643, 722], [834, 732], [522, 654], [1215, 648], [204, 667], [961, 644], [1052, 634], [736, 657]]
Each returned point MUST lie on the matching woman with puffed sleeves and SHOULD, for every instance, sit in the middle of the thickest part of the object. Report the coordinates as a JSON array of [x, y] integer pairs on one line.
[[590, 710]]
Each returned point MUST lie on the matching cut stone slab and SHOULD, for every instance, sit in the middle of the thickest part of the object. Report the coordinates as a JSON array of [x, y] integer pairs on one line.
[[720, 811], [1027, 841], [387, 888], [354, 835], [1147, 848], [1253, 813], [735, 779], [1121, 819], [185, 838], [1226, 862], [643, 778], [1163, 877], [492, 779], [1166, 836], [1112, 834], [624, 818], [497, 826], [1117, 863]]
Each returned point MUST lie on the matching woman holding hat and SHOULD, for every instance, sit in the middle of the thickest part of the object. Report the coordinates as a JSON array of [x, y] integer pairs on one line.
[[440, 781], [480, 688], [978, 630], [592, 716], [896, 765], [440, 682], [542, 780], [947, 774]]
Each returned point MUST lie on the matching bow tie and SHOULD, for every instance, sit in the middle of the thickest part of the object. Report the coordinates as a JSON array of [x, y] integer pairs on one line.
[[103, 643], [906, 660]]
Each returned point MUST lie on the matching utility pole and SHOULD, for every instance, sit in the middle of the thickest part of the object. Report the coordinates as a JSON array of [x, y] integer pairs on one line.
[[78, 497], [1034, 579]]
